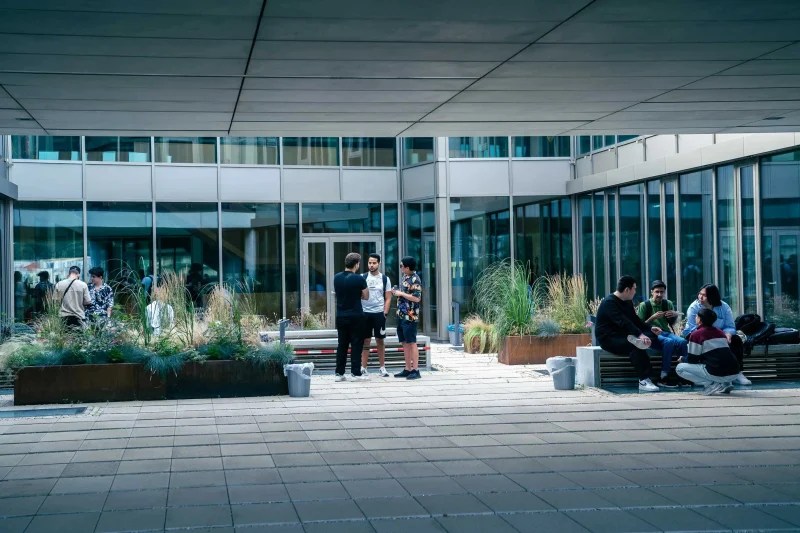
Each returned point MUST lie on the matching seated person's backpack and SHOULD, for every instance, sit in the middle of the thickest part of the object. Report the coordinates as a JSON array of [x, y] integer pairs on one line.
[[784, 336], [756, 330]]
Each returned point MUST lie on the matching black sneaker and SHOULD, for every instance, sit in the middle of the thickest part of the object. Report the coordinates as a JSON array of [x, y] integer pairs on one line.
[[403, 374], [414, 374], [669, 382]]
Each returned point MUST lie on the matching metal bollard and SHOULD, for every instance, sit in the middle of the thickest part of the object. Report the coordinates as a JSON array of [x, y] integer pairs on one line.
[[283, 324], [457, 322]]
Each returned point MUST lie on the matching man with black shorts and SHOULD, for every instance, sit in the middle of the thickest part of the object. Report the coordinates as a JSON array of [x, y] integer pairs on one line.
[[375, 310], [409, 295], [350, 289]]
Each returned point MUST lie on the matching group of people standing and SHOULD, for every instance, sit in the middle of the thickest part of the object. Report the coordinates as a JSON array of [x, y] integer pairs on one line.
[[708, 349], [362, 305], [80, 302]]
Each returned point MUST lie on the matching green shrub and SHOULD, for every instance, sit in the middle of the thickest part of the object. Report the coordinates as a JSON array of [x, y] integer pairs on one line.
[[273, 354], [503, 297], [479, 336], [562, 298]]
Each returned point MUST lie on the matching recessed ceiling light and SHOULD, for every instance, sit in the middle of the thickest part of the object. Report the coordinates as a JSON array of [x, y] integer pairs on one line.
[[774, 118]]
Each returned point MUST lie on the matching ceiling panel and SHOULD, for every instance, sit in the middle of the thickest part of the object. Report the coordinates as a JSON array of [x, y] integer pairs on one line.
[[398, 51]]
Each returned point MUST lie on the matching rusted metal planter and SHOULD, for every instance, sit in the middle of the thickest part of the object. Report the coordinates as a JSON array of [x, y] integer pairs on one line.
[[531, 350], [226, 379]]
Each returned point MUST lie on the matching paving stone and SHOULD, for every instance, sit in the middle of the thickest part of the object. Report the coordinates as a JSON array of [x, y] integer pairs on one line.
[[197, 496], [247, 461], [239, 494], [263, 513], [255, 476], [348, 526], [431, 486], [374, 488], [676, 519], [543, 481], [197, 479], [452, 504], [742, 518], [63, 522], [633, 497], [399, 507], [35, 472], [693, 495], [406, 470], [139, 520], [77, 485], [306, 473], [144, 466], [787, 513], [538, 522], [298, 459], [136, 454], [140, 481], [610, 521], [73, 503], [323, 490], [208, 515], [24, 505], [311, 511], [478, 523], [136, 499], [15, 525], [417, 525], [197, 464], [104, 468]]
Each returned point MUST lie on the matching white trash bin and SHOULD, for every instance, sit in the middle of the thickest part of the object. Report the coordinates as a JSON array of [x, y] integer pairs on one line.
[[299, 379], [563, 371]]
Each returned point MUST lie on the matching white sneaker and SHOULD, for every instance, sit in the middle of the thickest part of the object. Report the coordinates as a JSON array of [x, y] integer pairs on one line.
[[742, 380], [364, 371], [639, 343], [645, 385], [362, 377], [713, 388], [727, 388], [383, 373], [339, 377]]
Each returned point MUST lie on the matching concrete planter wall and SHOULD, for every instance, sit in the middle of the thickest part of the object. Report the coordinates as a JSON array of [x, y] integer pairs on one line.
[[530, 350], [129, 382]]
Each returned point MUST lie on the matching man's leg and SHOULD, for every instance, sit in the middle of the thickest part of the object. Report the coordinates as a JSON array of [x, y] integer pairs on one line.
[[342, 340], [380, 346], [365, 352], [356, 345], [639, 358], [695, 373], [672, 346]]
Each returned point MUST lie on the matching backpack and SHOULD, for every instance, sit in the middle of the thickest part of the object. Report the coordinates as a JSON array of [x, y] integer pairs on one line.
[[757, 331], [748, 323], [385, 281]]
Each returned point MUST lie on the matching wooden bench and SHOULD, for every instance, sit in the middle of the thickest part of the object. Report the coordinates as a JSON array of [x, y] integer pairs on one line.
[[319, 347], [596, 367]]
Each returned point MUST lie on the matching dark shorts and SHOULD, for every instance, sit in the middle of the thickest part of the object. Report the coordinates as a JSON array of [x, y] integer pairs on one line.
[[374, 325], [406, 331]]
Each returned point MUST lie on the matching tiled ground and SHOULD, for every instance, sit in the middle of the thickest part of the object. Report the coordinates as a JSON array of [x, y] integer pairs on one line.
[[472, 447]]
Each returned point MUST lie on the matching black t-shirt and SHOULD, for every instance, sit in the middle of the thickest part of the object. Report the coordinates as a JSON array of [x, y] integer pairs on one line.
[[348, 286]]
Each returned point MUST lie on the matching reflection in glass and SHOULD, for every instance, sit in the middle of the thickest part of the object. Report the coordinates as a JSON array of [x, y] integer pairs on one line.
[[746, 187], [480, 235], [118, 149], [391, 251], [48, 236], [46, 148], [697, 236], [317, 277], [417, 150], [631, 243], [248, 150], [251, 253], [413, 222], [587, 247], [599, 244], [670, 252], [368, 152], [542, 146], [187, 243], [201, 150], [654, 230], [613, 275], [312, 151], [291, 237], [478, 147], [584, 144], [728, 252], [341, 218], [120, 239], [543, 235]]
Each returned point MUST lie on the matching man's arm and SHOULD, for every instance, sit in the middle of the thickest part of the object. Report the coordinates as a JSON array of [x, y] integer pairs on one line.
[[87, 301], [364, 289], [387, 297], [415, 295]]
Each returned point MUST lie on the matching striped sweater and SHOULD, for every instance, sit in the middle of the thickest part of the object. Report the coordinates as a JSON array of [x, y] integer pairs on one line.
[[709, 346]]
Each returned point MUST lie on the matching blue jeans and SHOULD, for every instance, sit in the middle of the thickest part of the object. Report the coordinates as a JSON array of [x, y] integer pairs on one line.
[[669, 345]]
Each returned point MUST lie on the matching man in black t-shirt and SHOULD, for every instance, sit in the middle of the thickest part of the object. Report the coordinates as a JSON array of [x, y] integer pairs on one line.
[[350, 288]]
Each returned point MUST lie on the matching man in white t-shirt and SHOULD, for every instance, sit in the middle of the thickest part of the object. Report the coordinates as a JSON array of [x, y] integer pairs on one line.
[[375, 310]]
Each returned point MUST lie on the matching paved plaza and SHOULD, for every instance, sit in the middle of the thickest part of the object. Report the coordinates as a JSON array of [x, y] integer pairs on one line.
[[473, 446]]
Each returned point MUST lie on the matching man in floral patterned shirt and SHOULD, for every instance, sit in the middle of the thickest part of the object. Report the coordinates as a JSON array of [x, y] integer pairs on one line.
[[102, 296], [409, 295]]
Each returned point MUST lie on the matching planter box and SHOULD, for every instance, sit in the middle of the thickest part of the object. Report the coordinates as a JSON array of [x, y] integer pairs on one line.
[[530, 350], [226, 379], [86, 383]]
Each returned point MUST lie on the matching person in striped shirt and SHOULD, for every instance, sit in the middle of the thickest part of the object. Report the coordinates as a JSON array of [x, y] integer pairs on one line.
[[710, 361]]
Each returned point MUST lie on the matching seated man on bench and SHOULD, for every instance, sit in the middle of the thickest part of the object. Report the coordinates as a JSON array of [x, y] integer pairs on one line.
[[659, 311], [621, 332]]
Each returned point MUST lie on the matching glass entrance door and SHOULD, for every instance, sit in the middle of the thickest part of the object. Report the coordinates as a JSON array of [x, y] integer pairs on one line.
[[428, 273], [323, 257]]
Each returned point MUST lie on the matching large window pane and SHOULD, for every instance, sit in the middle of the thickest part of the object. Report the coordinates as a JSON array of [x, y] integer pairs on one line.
[[631, 244], [746, 187], [542, 146], [613, 274], [187, 243], [390, 262], [201, 150], [120, 238], [599, 243], [249, 150], [251, 253], [780, 237], [587, 245], [368, 152], [478, 147], [417, 150], [314, 151], [697, 237], [729, 251], [46, 148], [291, 236], [341, 218], [543, 235], [584, 144], [654, 230], [48, 236], [670, 250], [118, 149], [479, 233]]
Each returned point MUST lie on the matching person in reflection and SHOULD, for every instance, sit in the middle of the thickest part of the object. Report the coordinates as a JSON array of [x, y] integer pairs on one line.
[[409, 296], [19, 296], [710, 361], [194, 283], [350, 289], [102, 297], [74, 296], [41, 291]]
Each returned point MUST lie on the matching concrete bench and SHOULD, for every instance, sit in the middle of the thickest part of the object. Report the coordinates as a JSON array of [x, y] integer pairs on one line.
[[596, 367], [319, 347]]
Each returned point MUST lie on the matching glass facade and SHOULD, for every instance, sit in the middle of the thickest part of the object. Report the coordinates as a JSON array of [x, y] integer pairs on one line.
[[46, 148], [341, 218], [478, 147], [543, 235], [311, 151], [248, 150], [369, 152], [697, 233], [118, 149], [417, 150], [119, 236], [542, 146], [186, 150]]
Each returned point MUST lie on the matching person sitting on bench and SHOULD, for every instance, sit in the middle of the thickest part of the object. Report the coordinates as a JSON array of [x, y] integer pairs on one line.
[[658, 311], [620, 332], [710, 362]]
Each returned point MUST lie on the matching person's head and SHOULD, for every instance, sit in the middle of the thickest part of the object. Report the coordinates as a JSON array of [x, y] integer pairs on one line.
[[408, 265], [17, 276], [658, 290], [352, 261], [96, 275], [374, 262], [706, 317], [708, 295], [44, 275], [74, 271], [626, 288]]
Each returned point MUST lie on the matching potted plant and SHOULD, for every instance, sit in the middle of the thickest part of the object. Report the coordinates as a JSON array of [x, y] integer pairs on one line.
[[479, 336]]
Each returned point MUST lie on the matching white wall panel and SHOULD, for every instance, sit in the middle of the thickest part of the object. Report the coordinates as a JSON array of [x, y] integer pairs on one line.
[[534, 178], [369, 185], [311, 185], [175, 183], [479, 178], [118, 183], [606, 160], [48, 181], [249, 184], [418, 182], [659, 146], [583, 166], [630, 154], [695, 141]]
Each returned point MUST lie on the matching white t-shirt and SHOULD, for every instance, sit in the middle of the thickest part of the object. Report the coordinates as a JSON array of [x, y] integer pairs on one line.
[[376, 295]]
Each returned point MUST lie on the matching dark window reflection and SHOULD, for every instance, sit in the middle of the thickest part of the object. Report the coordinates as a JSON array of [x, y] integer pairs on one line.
[[313, 151], [697, 235], [341, 218], [368, 152], [417, 150], [118, 149], [291, 231], [46, 148], [120, 239]]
